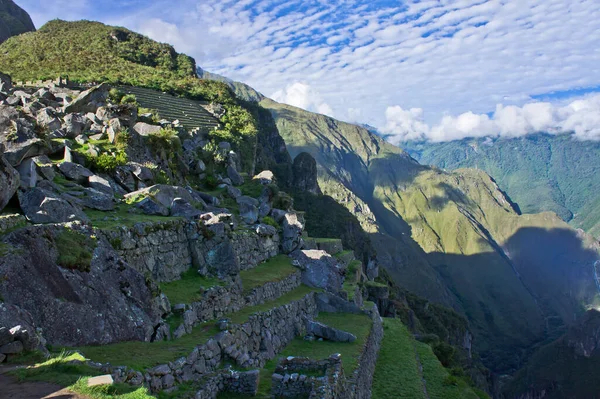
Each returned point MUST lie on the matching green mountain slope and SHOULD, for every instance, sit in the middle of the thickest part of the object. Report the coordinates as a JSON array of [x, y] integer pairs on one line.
[[566, 368], [13, 20], [540, 172], [452, 237]]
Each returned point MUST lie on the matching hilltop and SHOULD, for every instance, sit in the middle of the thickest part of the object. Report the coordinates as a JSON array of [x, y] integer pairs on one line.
[[13, 20]]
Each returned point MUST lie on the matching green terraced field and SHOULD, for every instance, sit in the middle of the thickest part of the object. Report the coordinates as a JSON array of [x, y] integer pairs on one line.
[[189, 112]]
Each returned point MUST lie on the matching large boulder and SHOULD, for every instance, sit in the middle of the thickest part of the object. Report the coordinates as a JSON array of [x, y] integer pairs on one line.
[[111, 302], [234, 176], [89, 100], [150, 207], [43, 206], [95, 199], [182, 208], [9, 180], [74, 124], [47, 119], [74, 171], [248, 208], [19, 138], [145, 129], [292, 233], [319, 269], [328, 333], [163, 194], [305, 173]]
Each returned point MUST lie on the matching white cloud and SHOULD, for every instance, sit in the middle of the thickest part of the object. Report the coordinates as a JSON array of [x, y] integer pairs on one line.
[[580, 117], [442, 56], [303, 96]]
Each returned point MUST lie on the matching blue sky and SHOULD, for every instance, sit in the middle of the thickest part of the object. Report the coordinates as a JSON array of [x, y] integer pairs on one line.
[[432, 69]]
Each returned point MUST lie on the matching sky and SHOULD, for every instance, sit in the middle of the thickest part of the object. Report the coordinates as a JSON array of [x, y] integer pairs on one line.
[[432, 69]]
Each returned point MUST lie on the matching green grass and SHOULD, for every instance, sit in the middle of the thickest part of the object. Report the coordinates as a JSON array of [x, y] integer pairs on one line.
[[251, 188], [397, 371], [326, 240], [122, 217], [189, 288], [275, 269], [440, 384], [295, 295], [343, 254], [144, 355], [59, 370], [75, 250], [358, 324]]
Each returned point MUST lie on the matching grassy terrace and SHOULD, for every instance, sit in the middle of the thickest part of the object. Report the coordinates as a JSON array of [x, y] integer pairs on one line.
[[358, 324], [189, 288], [144, 355], [275, 269], [350, 282], [74, 377], [121, 217], [397, 372]]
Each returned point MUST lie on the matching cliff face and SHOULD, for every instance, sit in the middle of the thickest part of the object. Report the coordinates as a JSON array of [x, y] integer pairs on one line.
[[566, 368], [13, 20]]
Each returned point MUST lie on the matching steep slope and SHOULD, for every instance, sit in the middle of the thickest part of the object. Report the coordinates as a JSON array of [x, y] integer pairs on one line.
[[451, 236], [540, 172], [13, 20], [566, 368]]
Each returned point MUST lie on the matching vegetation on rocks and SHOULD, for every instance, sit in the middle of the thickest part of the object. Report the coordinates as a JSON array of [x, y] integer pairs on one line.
[[75, 250], [189, 287]]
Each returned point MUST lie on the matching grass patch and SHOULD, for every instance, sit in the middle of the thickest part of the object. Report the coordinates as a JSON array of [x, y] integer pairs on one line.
[[144, 355], [189, 288], [64, 370], [75, 250], [252, 188], [275, 269], [440, 383], [397, 372], [297, 294], [122, 217], [327, 240], [375, 284]]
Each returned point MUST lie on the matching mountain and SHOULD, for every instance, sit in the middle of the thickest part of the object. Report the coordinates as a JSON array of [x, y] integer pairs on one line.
[[566, 368], [452, 237], [540, 172], [13, 20]]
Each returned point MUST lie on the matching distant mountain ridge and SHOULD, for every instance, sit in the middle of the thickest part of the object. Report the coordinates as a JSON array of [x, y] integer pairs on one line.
[[540, 172], [13, 20]]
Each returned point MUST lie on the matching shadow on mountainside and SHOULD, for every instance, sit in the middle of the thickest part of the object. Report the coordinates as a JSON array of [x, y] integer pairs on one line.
[[517, 300]]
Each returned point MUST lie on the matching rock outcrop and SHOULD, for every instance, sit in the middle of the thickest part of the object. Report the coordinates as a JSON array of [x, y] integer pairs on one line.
[[305, 173], [9, 180], [110, 302], [13, 20]]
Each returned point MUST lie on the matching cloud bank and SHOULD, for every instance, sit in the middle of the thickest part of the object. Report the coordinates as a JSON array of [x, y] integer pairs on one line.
[[356, 58], [580, 117]]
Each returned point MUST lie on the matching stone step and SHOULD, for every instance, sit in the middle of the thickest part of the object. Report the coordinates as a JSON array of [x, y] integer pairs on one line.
[[330, 245]]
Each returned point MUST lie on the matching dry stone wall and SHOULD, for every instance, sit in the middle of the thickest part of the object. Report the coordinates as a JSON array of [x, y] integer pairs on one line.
[[166, 249], [250, 344], [219, 301]]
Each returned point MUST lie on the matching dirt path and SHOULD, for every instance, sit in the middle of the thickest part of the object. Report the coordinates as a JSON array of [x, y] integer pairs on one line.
[[11, 389]]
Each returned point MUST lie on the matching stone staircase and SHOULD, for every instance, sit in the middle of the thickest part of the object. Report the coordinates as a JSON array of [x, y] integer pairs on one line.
[[189, 113]]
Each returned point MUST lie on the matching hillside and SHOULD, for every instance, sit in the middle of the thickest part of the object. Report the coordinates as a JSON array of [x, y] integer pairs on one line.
[[13, 20], [452, 237], [539, 172], [566, 368]]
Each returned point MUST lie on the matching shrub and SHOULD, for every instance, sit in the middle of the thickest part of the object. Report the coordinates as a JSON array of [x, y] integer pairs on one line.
[[211, 182], [75, 250], [115, 95], [283, 201], [165, 140], [270, 221], [108, 163], [122, 139], [129, 99]]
